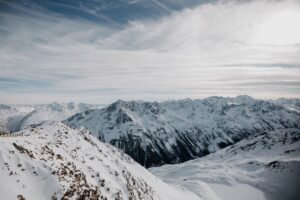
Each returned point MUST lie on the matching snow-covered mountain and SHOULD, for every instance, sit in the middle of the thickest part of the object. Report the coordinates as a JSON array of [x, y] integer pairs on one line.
[[262, 167], [53, 161], [16, 117], [292, 104], [54, 112], [176, 131], [11, 116]]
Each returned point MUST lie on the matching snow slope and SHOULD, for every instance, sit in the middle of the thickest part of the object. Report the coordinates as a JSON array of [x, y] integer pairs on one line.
[[291, 104], [11, 116], [53, 161], [16, 117], [176, 131], [54, 112], [263, 167]]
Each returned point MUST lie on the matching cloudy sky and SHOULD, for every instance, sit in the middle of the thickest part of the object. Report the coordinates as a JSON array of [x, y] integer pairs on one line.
[[98, 51]]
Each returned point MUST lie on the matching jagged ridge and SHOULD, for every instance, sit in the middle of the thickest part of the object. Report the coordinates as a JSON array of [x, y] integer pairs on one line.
[[176, 131], [53, 161]]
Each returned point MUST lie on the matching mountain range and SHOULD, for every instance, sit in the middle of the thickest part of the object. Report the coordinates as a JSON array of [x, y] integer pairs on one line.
[[16, 117], [176, 131], [211, 149]]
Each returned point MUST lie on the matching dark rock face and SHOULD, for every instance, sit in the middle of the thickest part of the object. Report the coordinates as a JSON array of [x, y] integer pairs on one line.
[[155, 153], [172, 132]]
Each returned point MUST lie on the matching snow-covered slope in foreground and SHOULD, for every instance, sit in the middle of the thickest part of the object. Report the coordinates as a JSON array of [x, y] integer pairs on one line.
[[53, 161], [265, 167]]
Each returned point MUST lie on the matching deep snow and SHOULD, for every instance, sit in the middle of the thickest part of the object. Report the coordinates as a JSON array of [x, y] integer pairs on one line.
[[265, 167]]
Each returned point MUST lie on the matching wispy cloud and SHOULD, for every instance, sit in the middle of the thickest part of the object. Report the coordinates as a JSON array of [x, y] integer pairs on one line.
[[196, 52]]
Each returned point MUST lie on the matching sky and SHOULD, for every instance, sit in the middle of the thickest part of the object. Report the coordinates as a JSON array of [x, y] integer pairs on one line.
[[99, 51]]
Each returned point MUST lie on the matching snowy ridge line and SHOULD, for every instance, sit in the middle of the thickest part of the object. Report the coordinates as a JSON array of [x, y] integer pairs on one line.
[[16, 117], [53, 161]]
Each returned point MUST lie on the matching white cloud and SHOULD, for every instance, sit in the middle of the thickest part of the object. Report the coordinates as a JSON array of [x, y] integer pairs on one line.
[[208, 50]]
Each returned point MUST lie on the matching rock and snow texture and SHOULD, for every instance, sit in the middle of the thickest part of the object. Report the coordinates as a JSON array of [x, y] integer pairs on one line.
[[262, 167], [53, 161], [177, 131], [16, 117]]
